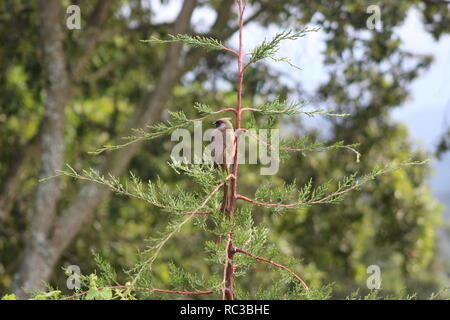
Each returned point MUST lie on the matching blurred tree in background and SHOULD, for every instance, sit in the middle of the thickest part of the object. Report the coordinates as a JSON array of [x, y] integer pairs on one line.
[[66, 92]]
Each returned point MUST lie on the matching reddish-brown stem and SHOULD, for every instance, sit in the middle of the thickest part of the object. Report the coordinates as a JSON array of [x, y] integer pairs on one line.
[[296, 276], [232, 207], [266, 204], [248, 109], [232, 51], [229, 250], [184, 293], [228, 270]]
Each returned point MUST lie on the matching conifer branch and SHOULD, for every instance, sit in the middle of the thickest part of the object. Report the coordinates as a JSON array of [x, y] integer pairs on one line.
[[179, 121], [157, 248], [206, 43], [176, 228], [151, 193], [206, 110], [346, 185], [269, 49], [274, 264], [278, 107], [301, 145]]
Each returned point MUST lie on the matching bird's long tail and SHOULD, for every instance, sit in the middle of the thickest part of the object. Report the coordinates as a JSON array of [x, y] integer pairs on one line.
[[226, 192], [225, 204], [226, 197]]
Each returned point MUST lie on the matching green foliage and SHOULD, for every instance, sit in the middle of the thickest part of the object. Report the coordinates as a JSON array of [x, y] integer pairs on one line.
[[155, 131], [203, 109], [50, 295], [304, 145], [307, 195], [140, 272], [269, 49], [155, 193], [107, 272], [283, 107], [206, 43], [183, 280], [96, 294]]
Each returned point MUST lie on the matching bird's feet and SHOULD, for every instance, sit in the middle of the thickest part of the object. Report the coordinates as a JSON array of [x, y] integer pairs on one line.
[[231, 176]]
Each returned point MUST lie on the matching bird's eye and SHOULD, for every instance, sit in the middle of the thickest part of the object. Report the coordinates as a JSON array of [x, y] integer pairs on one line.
[[218, 123]]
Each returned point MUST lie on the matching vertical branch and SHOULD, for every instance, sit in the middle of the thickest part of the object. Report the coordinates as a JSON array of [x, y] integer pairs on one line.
[[238, 106], [228, 293]]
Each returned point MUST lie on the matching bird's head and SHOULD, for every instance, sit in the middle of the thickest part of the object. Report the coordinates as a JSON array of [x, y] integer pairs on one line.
[[223, 124]]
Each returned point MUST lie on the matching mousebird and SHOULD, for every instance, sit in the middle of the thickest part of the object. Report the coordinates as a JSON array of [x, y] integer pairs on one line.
[[224, 146]]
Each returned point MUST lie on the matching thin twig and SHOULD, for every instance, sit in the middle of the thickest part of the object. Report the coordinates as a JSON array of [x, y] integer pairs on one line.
[[232, 51], [274, 264], [217, 188]]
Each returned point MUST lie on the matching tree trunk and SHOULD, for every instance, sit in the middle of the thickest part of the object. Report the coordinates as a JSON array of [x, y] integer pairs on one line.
[[49, 236], [52, 147]]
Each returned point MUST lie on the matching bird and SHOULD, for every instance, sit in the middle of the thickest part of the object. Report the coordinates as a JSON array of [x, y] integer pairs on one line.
[[223, 142]]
